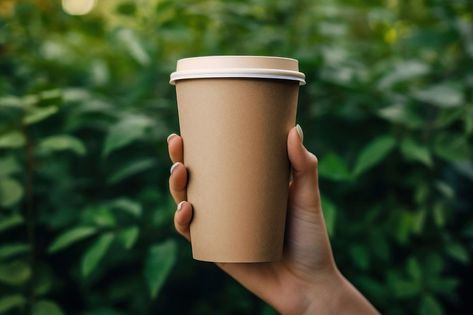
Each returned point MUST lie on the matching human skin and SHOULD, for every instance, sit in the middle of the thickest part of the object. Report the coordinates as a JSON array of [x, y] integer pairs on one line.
[[306, 280]]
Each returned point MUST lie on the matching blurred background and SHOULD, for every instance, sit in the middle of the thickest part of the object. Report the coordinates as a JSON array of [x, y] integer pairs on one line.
[[85, 109]]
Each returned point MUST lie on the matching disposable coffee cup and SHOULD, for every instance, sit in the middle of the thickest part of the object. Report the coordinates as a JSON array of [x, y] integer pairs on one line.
[[235, 113]]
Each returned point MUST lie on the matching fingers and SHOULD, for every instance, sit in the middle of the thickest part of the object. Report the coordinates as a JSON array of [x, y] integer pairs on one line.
[[178, 182], [178, 186], [178, 178], [183, 218], [175, 148], [304, 186]]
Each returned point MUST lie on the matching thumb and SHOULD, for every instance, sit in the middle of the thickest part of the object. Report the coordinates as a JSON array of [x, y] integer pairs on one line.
[[304, 190]]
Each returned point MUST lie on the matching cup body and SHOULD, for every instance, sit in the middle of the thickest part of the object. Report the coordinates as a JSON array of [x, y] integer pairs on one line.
[[234, 131]]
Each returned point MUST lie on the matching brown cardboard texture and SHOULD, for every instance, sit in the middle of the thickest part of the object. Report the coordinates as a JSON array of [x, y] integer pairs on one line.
[[234, 132]]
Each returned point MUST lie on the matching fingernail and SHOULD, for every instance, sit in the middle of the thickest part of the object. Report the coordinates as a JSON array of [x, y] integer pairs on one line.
[[299, 131], [179, 206], [170, 136], [173, 167]]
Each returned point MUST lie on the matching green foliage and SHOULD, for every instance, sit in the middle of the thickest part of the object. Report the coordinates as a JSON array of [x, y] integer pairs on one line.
[[46, 308], [129, 236], [158, 264], [12, 139], [60, 143], [95, 253], [10, 192], [14, 273], [130, 170], [333, 167], [8, 222], [442, 95], [85, 108], [430, 306], [374, 152], [71, 236], [9, 302], [125, 132], [416, 152], [11, 250]]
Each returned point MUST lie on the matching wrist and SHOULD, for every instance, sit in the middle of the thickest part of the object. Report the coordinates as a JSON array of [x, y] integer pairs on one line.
[[337, 296], [325, 296]]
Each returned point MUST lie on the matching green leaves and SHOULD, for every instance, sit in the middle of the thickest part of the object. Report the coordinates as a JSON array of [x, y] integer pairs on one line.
[[45, 307], [10, 302], [360, 256], [422, 280], [131, 169], [12, 139], [62, 143], [15, 272], [10, 250], [128, 236], [128, 206], [403, 114], [373, 153], [447, 94], [38, 114], [10, 221], [99, 215], [35, 107], [8, 166], [103, 219], [404, 71], [158, 265], [95, 253], [458, 252], [388, 109], [452, 148], [70, 237], [414, 269], [332, 166], [401, 287], [134, 46], [125, 132], [416, 152], [430, 306], [126, 8], [11, 192]]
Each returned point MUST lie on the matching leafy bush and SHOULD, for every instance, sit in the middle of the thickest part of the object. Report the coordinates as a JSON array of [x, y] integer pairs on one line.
[[85, 108]]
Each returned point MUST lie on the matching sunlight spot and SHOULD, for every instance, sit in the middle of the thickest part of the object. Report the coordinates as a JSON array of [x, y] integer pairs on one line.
[[78, 7]]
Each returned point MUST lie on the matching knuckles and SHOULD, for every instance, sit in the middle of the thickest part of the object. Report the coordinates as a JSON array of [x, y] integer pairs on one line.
[[313, 161]]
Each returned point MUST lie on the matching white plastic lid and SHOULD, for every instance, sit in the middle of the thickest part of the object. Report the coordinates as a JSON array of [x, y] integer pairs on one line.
[[264, 67]]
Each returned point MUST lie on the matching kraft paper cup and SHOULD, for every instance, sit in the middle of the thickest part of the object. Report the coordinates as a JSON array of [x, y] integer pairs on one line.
[[235, 113]]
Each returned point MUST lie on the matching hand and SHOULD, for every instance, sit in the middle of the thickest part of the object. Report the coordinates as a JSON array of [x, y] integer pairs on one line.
[[306, 280]]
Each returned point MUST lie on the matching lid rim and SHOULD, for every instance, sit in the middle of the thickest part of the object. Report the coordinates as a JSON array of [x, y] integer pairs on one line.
[[239, 56], [238, 66], [239, 73]]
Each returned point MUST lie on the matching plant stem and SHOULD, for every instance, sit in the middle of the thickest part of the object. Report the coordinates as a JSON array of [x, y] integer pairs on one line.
[[30, 216]]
